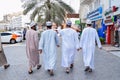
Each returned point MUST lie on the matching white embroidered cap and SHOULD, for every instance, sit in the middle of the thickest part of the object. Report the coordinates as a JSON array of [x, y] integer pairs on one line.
[[48, 23], [69, 23], [88, 21], [33, 24]]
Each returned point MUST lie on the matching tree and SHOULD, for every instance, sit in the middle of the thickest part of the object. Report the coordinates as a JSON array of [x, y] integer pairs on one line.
[[47, 10]]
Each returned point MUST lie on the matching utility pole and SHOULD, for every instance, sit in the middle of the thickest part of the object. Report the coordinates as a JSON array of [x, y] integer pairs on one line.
[[109, 3]]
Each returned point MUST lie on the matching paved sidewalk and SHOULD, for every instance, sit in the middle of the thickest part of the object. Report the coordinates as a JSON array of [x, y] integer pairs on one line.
[[111, 49]]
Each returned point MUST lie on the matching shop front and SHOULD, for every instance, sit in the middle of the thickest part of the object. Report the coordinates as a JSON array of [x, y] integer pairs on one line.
[[117, 14], [110, 21], [110, 30]]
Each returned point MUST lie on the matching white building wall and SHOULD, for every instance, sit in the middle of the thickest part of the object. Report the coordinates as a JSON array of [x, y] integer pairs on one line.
[[83, 12], [19, 21], [105, 4], [115, 2], [4, 26], [16, 22], [85, 9], [25, 19]]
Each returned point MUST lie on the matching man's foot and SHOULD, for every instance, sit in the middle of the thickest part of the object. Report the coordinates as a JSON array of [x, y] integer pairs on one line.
[[48, 70], [67, 70], [51, 73], [71, 66], [6, 66], [39, 66], [87, 68], [90, 70], [30, 72]]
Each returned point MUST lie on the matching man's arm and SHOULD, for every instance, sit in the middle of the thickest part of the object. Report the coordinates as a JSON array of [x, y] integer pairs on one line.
[[76, 41], [98, 40], [57, 40], [0, 44], [41, 43]]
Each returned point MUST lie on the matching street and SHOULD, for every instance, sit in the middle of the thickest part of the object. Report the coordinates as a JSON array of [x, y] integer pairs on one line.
[[94, 21], [106, 66]]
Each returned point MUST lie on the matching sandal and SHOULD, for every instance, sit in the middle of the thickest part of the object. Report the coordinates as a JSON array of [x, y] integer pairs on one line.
[[90, 70], [30, 72], [6, 66], [67, 71], [87, 68], [51, 73], [39, 66], [71, 66], [48, 70]]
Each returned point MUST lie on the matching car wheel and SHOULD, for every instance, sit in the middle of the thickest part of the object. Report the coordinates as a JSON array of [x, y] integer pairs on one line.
[[12, 41]]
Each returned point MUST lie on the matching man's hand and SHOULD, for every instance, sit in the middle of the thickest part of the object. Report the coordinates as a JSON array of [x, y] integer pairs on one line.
[[78, 49], [0, 51], [58, 45]]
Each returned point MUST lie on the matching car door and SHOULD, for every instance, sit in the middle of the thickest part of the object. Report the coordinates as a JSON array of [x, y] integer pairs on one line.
[[5, 37]]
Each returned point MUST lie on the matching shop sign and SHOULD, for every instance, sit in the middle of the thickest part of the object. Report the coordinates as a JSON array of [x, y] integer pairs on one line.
[[96, 14], [109, 20], [111, 10], [72, 15], [77, 22], [118, 11]]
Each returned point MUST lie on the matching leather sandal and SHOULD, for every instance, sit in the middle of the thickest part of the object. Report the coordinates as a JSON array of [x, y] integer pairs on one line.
[[6, 66], [51, 73], [30, 72], [67, 71], [39, 66], [71, 66], [87, 68], [90, 70]]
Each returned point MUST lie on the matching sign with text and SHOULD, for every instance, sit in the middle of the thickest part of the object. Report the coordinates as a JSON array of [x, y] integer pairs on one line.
[[72, 15]]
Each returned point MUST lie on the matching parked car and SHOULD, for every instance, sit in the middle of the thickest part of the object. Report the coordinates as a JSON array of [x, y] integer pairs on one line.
[[10, 37], [19, 32]]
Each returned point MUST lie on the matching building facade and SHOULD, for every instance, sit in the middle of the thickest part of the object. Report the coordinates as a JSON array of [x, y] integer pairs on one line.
[[105, 15], [15, 21], [112, 15]]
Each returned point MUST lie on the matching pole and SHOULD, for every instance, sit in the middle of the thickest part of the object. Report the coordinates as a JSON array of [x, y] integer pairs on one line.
[[109, 3]]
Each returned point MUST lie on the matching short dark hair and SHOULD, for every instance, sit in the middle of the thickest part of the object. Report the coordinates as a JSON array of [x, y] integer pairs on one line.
[[68, 25], [89, 24], [34, 27], [49, 27]]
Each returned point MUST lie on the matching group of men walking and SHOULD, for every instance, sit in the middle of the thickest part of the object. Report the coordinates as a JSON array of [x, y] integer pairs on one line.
[[49, 41]]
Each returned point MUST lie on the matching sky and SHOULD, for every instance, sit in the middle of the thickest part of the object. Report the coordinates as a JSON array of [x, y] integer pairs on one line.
[[75, 4], [9, 6]]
